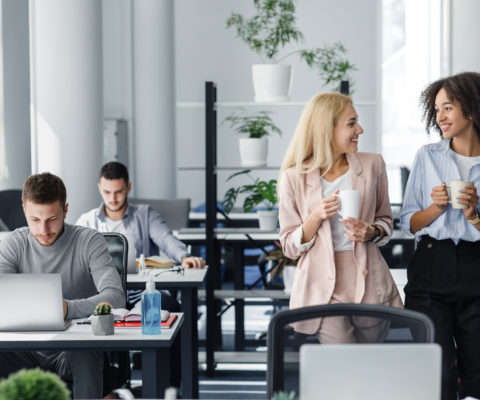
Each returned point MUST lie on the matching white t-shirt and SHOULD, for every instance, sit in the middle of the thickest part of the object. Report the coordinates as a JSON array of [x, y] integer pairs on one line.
[[464, 164], [117, 226]]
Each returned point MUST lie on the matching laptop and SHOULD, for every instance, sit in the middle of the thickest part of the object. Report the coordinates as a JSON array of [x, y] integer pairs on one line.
[[31, 302], [370, 371]]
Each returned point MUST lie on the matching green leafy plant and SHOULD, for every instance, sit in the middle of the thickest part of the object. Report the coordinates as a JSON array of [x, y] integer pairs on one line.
[[281, 259], [33, 384], [273, 27], [257, 126], [258, 192], [103, 308], [284, 396]]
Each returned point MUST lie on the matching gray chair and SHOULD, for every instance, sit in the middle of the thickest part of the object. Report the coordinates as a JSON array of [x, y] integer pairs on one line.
[[174, 211], [117, 371], [396, 325], [11, 211]]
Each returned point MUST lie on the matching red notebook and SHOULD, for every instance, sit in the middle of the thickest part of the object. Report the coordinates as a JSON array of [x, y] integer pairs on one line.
[[165, 324]]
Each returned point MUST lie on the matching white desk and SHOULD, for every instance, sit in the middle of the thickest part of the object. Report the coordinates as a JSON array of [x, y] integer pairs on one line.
[[188, 284], [155, 348], [400, 278]]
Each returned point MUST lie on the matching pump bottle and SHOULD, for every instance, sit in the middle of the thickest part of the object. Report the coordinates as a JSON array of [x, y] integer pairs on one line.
[[151, 310]]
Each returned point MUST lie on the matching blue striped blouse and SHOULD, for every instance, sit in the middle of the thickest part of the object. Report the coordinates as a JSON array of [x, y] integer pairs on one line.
[[434, 164]]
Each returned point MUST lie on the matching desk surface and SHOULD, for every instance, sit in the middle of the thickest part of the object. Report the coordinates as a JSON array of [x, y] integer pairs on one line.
[[81, 337], [191, 277]]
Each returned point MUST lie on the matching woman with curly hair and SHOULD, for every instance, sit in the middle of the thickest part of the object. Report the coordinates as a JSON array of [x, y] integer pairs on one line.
[[444, 273]]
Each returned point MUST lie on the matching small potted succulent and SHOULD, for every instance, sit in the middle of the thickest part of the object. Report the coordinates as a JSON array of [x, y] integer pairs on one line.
[[33, 384], [254, 148], [271, 29], [258, 192], [103, 319]]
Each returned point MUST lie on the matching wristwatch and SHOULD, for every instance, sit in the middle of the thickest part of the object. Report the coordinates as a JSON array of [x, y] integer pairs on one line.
[[475, 220], [378, 235], [186, 255]]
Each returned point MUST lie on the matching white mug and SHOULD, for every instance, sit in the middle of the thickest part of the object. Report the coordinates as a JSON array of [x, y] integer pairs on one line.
[[349, 203], [455, 187]]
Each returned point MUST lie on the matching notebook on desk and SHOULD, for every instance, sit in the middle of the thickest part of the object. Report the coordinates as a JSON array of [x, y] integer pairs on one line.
[[31, 302], [370, 371]]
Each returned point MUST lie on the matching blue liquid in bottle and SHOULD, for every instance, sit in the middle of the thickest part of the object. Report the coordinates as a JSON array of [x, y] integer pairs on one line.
[[151, 310]]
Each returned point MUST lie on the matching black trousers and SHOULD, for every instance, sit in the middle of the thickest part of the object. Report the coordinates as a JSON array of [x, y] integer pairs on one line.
[[444, 283]]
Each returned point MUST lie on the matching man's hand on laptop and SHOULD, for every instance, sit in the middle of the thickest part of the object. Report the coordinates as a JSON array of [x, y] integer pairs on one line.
[[65, 309], [193, 262]]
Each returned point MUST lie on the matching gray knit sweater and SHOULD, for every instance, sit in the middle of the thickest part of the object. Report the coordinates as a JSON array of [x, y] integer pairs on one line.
[[80, 255]]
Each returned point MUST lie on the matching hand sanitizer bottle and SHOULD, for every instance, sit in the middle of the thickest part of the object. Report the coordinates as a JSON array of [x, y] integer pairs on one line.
[[142, 266], [151, 310]]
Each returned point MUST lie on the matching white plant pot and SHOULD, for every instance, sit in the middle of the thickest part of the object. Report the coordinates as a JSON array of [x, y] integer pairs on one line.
[[102, 325], [288, 275], [267, 220], [253, 152], [271, 82]]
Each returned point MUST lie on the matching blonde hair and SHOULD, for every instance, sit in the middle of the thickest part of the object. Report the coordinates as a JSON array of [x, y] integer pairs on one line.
[[312, 143]]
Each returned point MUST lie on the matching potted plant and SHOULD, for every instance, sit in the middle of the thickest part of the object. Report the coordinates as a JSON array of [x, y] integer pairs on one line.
[[258, 192], [285, 266], [271, 29], [103, 320], [33, 384], [284, 396], [254, 148]]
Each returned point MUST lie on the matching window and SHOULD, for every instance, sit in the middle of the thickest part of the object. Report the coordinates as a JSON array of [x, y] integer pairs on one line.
[[411, 58]]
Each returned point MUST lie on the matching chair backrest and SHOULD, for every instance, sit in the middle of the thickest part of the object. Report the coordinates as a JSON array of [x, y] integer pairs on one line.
[[11, 211], [374, 324], [174, 211], [118, 247]]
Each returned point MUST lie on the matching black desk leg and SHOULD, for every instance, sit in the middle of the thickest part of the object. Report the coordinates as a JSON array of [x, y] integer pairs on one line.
[[238, 284], [155, 372], [189, 337]]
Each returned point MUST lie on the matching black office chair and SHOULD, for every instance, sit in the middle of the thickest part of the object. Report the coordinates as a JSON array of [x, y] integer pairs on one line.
[[117, 371], [11, 211], [395, 326]]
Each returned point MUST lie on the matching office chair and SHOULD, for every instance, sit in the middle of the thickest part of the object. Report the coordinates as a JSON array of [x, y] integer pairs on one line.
[[391, 325], [11, 211], [174, 211], [117, 371]]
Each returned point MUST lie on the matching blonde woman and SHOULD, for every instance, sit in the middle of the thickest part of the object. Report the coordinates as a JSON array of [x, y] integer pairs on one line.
[[339, 258]]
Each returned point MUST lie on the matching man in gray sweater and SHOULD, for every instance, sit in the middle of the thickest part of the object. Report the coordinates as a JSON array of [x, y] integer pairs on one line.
[[81, 256]]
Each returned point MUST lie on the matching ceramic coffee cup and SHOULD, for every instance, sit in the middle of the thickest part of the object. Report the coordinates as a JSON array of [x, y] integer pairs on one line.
[[455, 187], [349, 203]]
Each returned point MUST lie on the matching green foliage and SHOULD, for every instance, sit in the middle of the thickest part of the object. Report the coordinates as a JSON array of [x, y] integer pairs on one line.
[[33, 384], [256, 126], [281, 259], [272, 27], [329, 62], [284, 396], [103, 308], [258, 192]]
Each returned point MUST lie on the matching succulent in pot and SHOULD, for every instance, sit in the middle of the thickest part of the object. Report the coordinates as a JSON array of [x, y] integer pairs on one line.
[[103, 319]]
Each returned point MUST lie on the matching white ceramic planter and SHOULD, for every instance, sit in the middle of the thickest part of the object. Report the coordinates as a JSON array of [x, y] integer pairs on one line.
[[253, 152], [102, 325], [288, 275], [267, 219], [271, 82]]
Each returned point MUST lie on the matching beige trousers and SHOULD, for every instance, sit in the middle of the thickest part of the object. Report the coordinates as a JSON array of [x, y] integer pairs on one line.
[[346, 329]]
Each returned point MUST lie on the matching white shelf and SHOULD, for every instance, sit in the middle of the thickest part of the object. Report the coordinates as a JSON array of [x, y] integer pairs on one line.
[[229, 168], [186, 104]]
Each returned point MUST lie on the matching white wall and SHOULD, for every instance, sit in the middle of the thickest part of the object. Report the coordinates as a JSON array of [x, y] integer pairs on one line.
[[206, 50], [465, 40], [16, 92]]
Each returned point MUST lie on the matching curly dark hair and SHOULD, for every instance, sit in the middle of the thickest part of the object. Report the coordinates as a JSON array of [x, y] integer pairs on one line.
[[463, 88], [44, 188]]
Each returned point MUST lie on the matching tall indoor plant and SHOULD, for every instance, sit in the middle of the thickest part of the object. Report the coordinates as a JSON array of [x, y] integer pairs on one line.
[[254, 148], [259, 192], [271, 29]]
